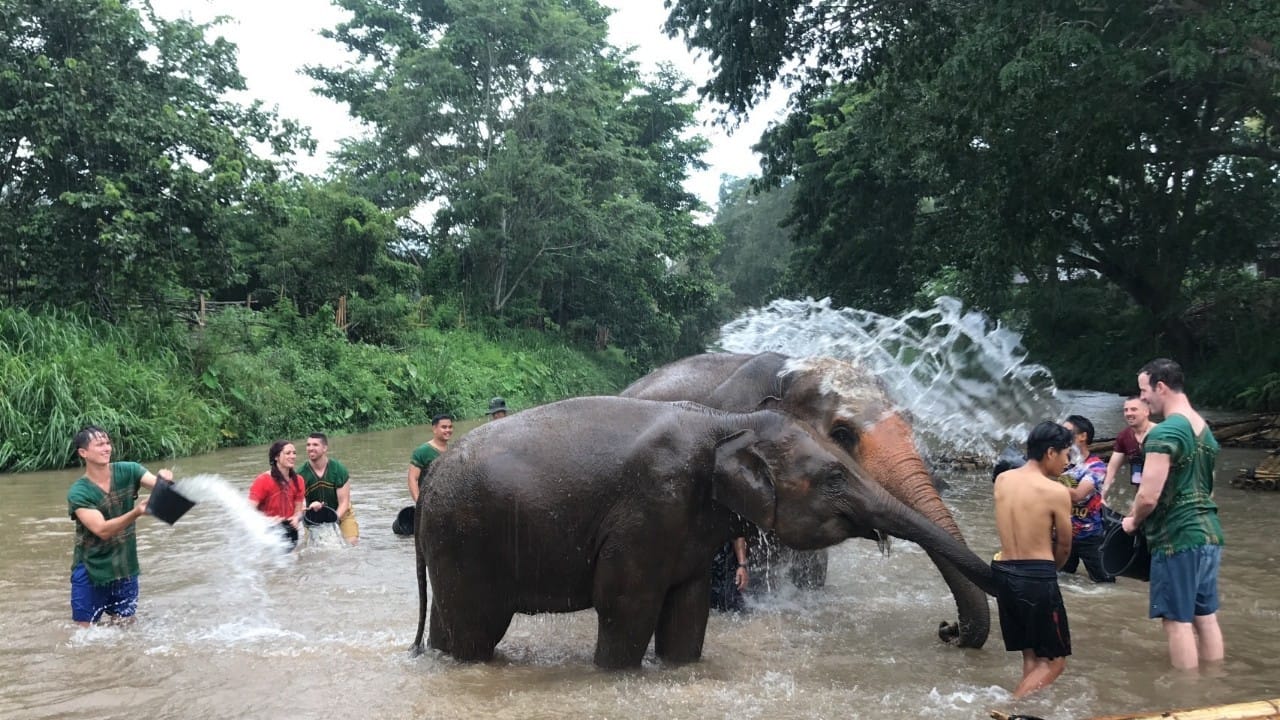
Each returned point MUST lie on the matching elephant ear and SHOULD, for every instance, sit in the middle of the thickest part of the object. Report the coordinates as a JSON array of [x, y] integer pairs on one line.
[[742, 480]]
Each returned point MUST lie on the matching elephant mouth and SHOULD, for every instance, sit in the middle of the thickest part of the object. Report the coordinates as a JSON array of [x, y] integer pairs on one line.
[[884, 541]]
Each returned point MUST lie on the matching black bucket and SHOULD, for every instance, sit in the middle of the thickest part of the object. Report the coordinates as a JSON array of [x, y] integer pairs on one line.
[[324, 515], [166, 503], [404, 524], [1123, 554], [290, 533]]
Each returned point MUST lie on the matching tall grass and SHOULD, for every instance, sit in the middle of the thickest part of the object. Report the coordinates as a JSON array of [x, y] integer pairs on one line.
[[249, 377], [59, 372]]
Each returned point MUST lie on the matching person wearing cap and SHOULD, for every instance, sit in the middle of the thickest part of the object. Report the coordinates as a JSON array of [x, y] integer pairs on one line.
[[497, 408], [441, 431], [104, 505], [328, 485]]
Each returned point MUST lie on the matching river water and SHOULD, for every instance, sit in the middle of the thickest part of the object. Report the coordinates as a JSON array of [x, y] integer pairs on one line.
[[229, 627]]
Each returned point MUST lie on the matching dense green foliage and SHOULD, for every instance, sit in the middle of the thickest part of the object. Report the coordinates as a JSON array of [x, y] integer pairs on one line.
[[555, 168], [963, 145], [122, 167], [251, 377], [519, 196]]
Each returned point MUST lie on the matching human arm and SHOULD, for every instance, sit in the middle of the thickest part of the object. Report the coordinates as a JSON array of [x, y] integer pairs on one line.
[[93, 519], [149, 479], [1082, 489], [1061, 509], [415, 472], [344, 499], [1113, 467], [740, 576], [1155, 472]]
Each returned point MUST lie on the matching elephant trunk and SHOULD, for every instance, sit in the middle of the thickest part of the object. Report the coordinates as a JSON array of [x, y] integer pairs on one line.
[[891, 459], [892, 517]]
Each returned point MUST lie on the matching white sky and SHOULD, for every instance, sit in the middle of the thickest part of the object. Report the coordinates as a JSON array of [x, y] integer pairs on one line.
[[276, 38]]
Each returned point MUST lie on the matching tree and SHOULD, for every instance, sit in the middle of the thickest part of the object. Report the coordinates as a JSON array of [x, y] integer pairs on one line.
[[1135, 141], [757, 243], [555, 169], [121, 163]]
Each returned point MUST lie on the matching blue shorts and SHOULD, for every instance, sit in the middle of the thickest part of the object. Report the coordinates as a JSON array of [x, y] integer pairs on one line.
[[89, 601], [1185, 584]]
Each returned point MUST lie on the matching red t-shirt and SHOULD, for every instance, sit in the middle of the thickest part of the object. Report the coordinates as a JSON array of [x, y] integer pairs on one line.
[[272, 500]]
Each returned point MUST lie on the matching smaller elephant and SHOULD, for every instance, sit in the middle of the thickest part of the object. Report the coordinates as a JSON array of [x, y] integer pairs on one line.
[[619, 504]]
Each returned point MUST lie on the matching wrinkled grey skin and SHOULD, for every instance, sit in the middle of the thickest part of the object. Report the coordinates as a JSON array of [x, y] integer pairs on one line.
[[619, 504], [849, 405]]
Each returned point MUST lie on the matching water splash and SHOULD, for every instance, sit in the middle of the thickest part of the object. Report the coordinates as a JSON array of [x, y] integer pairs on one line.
[[256, 536], [963, 378]]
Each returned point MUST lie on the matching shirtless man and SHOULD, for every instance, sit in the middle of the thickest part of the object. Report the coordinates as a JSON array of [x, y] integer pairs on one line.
[[1033, 517]]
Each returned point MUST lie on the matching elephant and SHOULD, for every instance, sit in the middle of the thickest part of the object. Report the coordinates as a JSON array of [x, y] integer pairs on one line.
[[848, 403], [619, 504]]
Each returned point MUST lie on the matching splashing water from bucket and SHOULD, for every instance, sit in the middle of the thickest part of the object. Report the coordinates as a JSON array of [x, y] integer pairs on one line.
[[257, 536], [963, 378]]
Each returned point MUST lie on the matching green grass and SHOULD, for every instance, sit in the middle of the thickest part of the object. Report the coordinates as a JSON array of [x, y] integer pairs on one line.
[[250, 377]]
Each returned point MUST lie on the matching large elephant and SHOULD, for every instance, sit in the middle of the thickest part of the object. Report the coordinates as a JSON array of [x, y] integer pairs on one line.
[[850, 405], [619, 504]]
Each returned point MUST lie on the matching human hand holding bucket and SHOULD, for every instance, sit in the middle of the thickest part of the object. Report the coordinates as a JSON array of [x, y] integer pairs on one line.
[[166, 503]]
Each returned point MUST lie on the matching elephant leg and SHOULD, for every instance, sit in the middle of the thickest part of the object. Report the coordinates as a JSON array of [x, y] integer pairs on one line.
[[468, 618], [474, 637], [437, 636], [682, 624], [625, 622]]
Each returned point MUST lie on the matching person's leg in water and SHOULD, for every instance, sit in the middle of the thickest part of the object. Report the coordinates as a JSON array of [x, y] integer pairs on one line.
[[1038, 672], [1209, 638]]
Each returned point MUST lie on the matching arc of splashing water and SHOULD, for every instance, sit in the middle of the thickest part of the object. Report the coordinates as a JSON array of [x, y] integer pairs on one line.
[[962, 377]]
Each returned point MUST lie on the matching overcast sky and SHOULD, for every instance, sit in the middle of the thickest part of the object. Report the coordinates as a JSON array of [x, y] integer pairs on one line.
[[276, 38]]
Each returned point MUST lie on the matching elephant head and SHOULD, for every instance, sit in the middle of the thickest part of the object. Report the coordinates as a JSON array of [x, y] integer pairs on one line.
[[785, 477], [851, 405], [848, 404]]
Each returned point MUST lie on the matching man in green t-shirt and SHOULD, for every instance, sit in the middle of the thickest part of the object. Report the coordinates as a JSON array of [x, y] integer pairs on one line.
[[1175, 509], [328, 485], [441, 431], [104, 505]]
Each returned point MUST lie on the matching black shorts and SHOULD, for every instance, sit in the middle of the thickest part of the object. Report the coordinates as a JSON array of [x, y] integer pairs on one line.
[[1032, 616]]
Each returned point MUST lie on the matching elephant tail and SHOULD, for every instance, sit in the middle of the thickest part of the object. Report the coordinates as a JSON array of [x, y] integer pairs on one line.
[[416, 649]]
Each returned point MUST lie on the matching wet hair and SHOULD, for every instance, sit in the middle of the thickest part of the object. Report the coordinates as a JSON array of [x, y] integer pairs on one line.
[[442, 416], [273, 454], [1046, 436], [1166, 371], [1009, 459], [319, 436], [1082, 425], [86, 435]]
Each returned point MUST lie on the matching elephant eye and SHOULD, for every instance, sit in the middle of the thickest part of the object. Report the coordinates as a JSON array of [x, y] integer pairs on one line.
[[844, 436]]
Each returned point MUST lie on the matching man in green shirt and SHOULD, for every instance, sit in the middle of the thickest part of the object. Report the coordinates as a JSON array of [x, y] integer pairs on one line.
[[328, 485], [104, 505], [441, 431], [1175, 509]]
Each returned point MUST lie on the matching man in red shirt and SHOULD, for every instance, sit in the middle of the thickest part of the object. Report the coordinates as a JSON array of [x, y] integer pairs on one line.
[[1137, 418]]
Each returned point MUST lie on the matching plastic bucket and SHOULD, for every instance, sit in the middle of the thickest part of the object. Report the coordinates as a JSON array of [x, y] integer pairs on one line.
[[1123, 554], [290, 533], [404, 524], [324, 515], [166, 503]]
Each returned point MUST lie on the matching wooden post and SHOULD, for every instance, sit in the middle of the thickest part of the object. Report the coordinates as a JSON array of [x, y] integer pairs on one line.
[[201, 315], [340, 316]]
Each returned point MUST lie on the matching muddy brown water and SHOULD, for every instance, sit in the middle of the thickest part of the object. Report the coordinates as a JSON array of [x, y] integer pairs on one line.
[[228, 628]]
